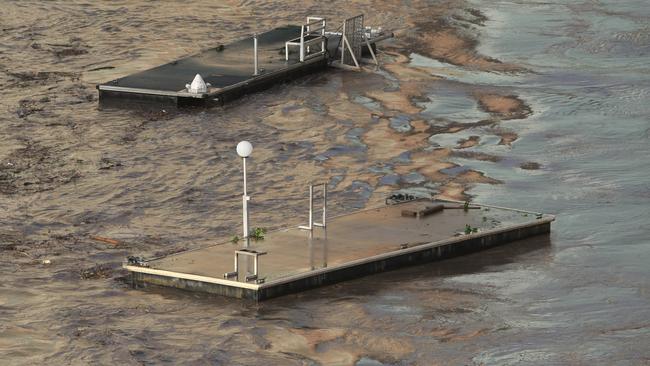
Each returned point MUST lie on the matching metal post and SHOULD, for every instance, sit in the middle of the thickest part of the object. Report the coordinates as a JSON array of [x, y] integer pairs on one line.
[[324, 205], [372, 53], [343, 44], [255, 266], [322, 33], [245, 199], [311, 206], [255, 55], [311, 224], [325, 250], [302, 44], [310, 243]]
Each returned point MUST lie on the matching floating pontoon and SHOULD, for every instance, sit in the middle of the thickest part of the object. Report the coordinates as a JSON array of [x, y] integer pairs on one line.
[[218, 75], [406, 231], [340, 248]]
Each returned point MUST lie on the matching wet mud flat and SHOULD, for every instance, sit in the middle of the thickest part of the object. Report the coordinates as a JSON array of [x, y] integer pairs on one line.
[[351, 246]]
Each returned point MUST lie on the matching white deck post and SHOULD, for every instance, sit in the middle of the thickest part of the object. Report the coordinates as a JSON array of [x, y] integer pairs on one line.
[[311, 206], [255, 54], [324, 205], [302, 44], [245, 199]]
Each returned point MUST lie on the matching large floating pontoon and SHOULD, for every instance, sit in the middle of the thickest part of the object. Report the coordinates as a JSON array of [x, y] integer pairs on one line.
[[342, 248], [218, 75]]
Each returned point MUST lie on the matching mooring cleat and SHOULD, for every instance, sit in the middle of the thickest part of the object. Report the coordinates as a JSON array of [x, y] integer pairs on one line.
[[229, 275]]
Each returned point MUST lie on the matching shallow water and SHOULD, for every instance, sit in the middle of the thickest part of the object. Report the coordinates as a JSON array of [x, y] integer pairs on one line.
[[161, 182]]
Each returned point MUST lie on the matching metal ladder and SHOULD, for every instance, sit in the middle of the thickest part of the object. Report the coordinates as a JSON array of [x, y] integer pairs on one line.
[[311, 223]]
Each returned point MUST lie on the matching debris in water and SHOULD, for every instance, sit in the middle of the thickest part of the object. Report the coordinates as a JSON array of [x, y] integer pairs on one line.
[[399, 197], [108, 163], [105, 240], [102, 68], [136, 261], [95, 272], [530, 165], [27, 107]]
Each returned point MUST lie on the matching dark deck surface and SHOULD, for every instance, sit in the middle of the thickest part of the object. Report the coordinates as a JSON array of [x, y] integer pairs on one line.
[[220, 66], [229, 69]]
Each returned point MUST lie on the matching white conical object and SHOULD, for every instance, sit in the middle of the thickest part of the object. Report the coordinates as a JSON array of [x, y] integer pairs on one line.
[[197, 86]]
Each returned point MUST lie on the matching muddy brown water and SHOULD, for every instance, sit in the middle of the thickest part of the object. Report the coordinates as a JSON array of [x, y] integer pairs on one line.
[[468, 95]]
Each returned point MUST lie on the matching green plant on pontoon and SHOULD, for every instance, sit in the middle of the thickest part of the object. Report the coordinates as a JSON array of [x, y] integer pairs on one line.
[[469, 229], [257, 233]]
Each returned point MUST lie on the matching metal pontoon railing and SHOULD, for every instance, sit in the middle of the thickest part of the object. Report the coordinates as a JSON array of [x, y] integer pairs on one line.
[[311, 33]]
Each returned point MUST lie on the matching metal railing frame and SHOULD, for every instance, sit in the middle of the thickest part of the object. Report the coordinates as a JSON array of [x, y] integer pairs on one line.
[[307, 30], [311, 224]]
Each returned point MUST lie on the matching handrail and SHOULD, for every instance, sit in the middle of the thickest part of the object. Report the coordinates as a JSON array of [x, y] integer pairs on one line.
[[319, 20], [307, 30]]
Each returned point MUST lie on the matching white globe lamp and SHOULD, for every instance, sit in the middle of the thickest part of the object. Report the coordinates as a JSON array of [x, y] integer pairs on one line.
[[244, 149]]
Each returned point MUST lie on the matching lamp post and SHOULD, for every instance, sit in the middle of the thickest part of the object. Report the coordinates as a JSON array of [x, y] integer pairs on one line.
[[244, 149]]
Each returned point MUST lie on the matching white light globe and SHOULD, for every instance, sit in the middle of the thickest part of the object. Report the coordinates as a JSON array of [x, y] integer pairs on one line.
[[244, 149]]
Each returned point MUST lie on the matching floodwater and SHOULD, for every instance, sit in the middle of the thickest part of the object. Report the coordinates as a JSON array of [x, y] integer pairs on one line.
[[540, 106]]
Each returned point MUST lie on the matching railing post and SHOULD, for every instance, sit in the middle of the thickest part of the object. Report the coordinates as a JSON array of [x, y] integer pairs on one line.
[[324, 204], [343, 44], [310, 225], [255, 54], [322, 44], [311, 205], [302, 44]]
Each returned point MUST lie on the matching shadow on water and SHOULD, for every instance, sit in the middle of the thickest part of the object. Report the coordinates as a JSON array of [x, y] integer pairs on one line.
[[373, 285]]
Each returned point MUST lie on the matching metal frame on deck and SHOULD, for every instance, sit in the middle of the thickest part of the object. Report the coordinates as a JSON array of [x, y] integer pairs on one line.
[[310, 226], [312, 32], [250, 253], [353, 38]]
